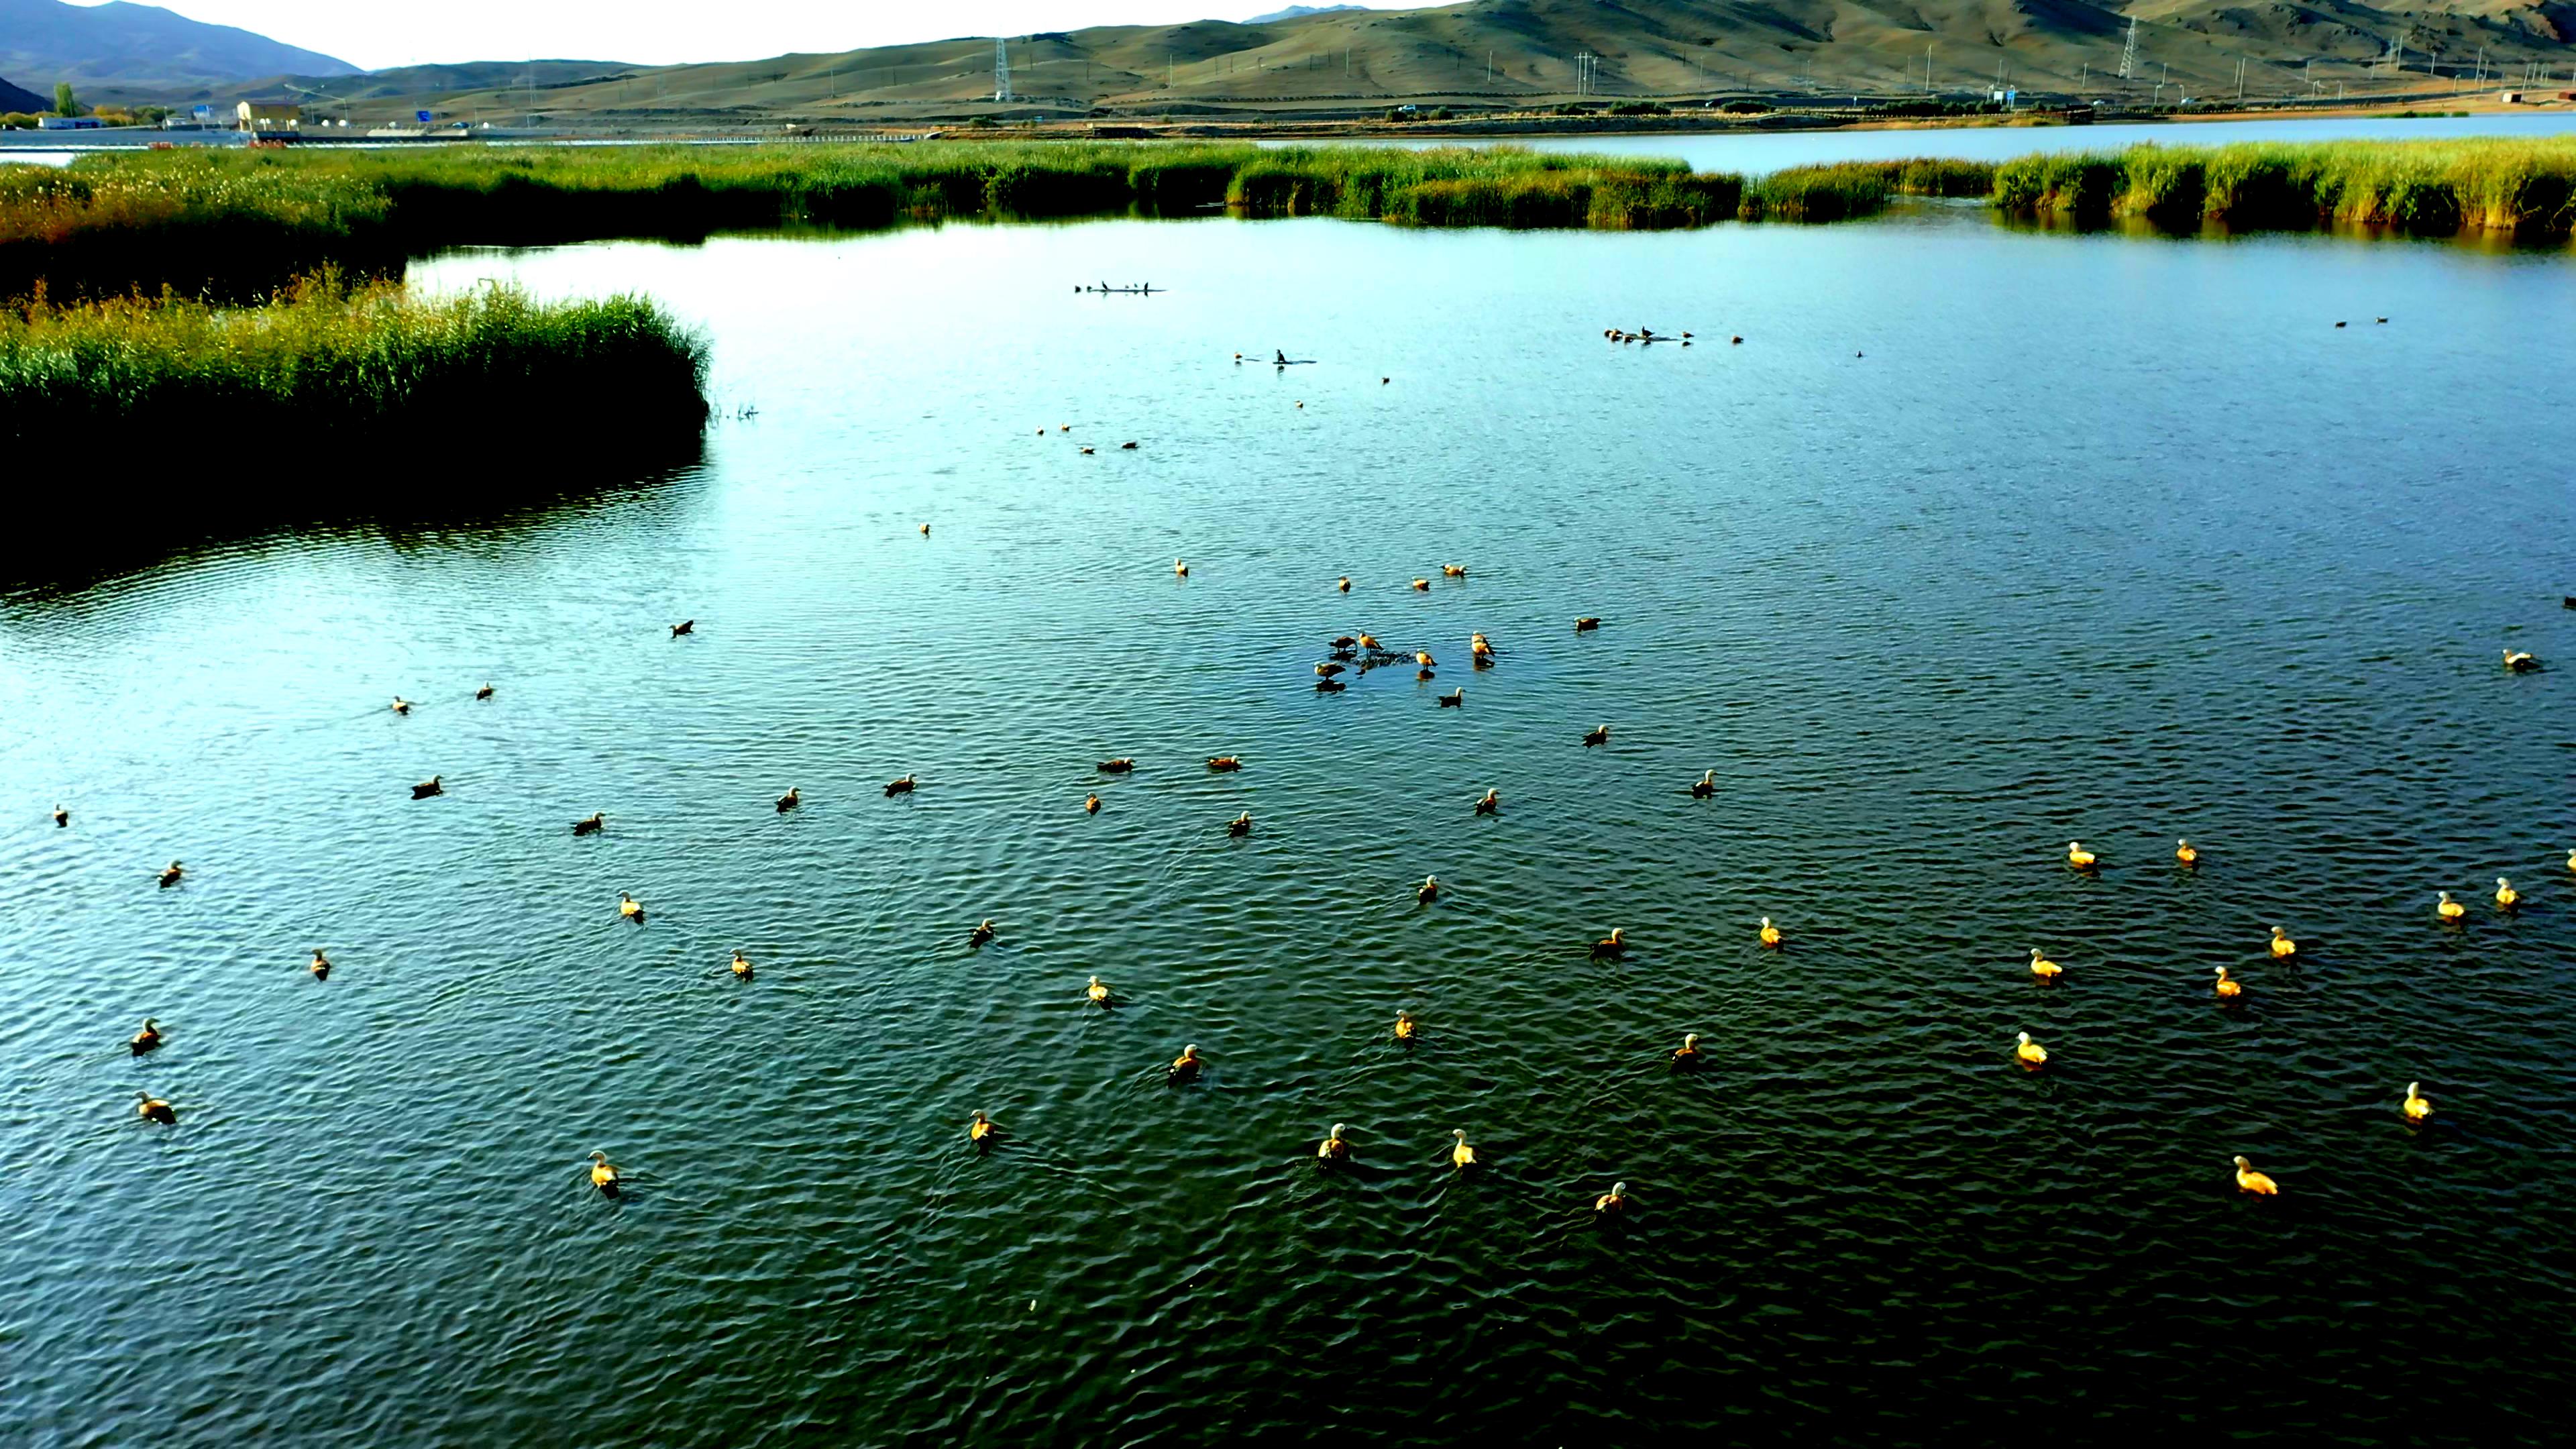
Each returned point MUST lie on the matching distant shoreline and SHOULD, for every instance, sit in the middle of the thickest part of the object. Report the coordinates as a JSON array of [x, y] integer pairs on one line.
[[1210, 128]]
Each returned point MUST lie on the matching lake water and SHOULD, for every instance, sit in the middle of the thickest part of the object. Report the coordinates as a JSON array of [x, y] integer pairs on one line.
[[1983, 540]]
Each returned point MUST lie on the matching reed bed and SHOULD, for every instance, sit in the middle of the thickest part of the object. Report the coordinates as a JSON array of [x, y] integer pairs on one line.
[[1839, 191], [233, 223], [334, 380], [2435, 188]]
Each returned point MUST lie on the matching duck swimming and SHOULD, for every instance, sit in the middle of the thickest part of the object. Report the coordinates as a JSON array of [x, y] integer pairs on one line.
[[485, 692], [1612, 946], [2248, 1180], [2043, 968], [64, 817], [597, 822], [1423, 658], [982, 1130], [170, 874], [320, 965], [690, 626], [603, 1174], [629, 907], [1453, 571], [1328, 670], [741, 967], [1345, 584], [2282, 945], [1704, 786], [152, 1109], [1090, 804], [1097, 994], [427, 788], [1461, 1156], [2506, 897], [1489, 803], [2520, 662], [1119, 766], [401, 705], [2417, 1106], [2077, 856], [900, 786], [148, 1039], [1333, 1148], [1422, 586], [1239, 826], [1454, 699], [1180, 568], [1687, 1054], [1404, 1026], [1598, 736], [2030, 1053], [1223, 763], [2449, 909], [1770, 933], [1612, 1203], [1428, 891], [790, 800], [1587, 624], [982, 933], [2228, 988], [925, 528], [2184, 855], [1185, 1067]]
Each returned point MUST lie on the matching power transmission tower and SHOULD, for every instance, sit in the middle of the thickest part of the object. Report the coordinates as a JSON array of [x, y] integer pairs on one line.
[[2129, 52], [1001, 69], [1583, 74]]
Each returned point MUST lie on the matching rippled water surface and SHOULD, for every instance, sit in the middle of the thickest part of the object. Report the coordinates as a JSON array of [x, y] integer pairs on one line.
[[1981, 541]]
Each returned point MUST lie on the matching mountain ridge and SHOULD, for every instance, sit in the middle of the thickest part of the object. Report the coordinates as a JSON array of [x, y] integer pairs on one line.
[[126, 44]]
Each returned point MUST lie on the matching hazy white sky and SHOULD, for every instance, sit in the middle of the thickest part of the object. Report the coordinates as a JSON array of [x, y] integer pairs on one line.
[[379, 33]]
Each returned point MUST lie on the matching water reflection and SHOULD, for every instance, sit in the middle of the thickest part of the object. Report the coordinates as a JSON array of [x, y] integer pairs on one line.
[[469, 509]]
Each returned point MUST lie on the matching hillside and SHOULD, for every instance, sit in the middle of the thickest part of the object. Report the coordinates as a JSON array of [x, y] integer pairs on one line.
[[1504, 53], [122, 44], [18, 98]]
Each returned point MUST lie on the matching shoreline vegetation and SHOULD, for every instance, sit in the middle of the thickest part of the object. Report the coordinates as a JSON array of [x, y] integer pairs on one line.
[[239, 223], [342, 380]]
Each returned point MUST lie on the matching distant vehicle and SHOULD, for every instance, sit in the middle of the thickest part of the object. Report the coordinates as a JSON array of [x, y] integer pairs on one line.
[[69, 123]]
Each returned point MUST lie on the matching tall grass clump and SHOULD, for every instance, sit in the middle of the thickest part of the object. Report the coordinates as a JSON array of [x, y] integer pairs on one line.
[[2434, 188], [1836, 191], [342, 384], [186, 225]]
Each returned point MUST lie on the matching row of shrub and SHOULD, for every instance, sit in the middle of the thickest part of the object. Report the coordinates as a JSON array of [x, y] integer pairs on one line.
[[2526, 187], [360, 379], [236, 222]]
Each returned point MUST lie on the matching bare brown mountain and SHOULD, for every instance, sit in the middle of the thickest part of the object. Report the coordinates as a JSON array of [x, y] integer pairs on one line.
[[1521, 52]]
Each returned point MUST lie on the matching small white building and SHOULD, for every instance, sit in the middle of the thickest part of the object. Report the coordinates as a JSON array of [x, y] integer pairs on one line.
[[264, 119]]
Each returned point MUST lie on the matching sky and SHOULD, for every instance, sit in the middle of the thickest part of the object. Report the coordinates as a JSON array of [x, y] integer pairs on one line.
[[378, 33]]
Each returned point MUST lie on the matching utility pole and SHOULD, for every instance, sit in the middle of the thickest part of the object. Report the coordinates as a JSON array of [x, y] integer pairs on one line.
[[1583, 73], [2240, 80], [1927, 70]]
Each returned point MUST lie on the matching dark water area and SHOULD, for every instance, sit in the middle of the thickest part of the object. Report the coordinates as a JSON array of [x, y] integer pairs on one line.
[[1982, 541]]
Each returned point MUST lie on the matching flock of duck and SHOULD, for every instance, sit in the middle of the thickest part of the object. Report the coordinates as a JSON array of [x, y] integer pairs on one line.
[[1359, 653]]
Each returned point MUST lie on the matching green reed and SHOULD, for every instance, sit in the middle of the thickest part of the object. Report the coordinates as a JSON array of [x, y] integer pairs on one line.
[[2526, 187], [344, 381], [242, 221]]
